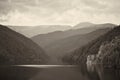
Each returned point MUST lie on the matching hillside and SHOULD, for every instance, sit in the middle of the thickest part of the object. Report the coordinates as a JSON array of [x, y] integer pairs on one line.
[[59, 43], [17, 49], [46, 39], [105, 50], [68, 44]]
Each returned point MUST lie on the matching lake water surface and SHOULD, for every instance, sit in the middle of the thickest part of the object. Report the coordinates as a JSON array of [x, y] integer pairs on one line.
[[57, 72]]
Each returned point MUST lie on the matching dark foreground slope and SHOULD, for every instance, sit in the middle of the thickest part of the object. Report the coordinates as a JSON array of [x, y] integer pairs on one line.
[[17, 49], [104, 50]]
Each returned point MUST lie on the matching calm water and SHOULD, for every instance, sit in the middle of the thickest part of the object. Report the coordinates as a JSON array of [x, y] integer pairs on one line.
[[57, 73]]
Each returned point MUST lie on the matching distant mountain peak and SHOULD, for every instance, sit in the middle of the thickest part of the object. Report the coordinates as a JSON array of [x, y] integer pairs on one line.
[[88, 24], [83, 24]]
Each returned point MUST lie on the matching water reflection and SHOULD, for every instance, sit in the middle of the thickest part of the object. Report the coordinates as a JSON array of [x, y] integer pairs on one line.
[[96, 72], [17, 73], [102, 73]]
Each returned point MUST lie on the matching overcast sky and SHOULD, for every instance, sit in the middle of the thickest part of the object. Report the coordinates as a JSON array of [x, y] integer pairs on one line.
[[71, 12]]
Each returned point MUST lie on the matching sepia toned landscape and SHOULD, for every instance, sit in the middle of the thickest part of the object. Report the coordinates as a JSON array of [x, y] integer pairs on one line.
[[59, 40]]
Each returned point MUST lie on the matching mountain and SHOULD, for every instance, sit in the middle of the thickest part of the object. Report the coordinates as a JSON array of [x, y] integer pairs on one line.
[[83, 25], [62, 47], [18, 49], [31, 31], [103, 50], [46, 39], [59, 43]]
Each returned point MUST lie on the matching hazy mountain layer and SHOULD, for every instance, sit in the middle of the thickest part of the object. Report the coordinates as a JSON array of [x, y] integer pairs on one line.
[[62, 47], [46, 39], [59, 43], [31, 31]]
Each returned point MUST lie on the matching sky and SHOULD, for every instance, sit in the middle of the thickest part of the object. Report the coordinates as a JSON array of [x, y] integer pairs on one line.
[[58, 12]]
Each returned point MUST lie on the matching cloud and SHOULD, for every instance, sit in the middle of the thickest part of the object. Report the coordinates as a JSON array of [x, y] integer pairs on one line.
[[103, 6], [36, 12], [94, 4], [18, 18]]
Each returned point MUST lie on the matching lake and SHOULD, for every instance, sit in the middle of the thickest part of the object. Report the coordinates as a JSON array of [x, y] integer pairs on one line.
[[57, 72]]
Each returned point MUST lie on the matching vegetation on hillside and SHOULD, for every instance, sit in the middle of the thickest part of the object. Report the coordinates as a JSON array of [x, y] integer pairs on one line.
[[18, 49], [111, 53]]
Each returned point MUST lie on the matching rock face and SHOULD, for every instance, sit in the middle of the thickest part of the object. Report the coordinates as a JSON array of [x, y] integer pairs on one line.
[[109, 53], [18, 49], [104, 50], [90, 59]]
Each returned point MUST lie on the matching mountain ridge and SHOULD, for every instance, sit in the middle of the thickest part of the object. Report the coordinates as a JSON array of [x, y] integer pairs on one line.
[[30, 31], [45, 39], [60, 43], [18, 49]]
